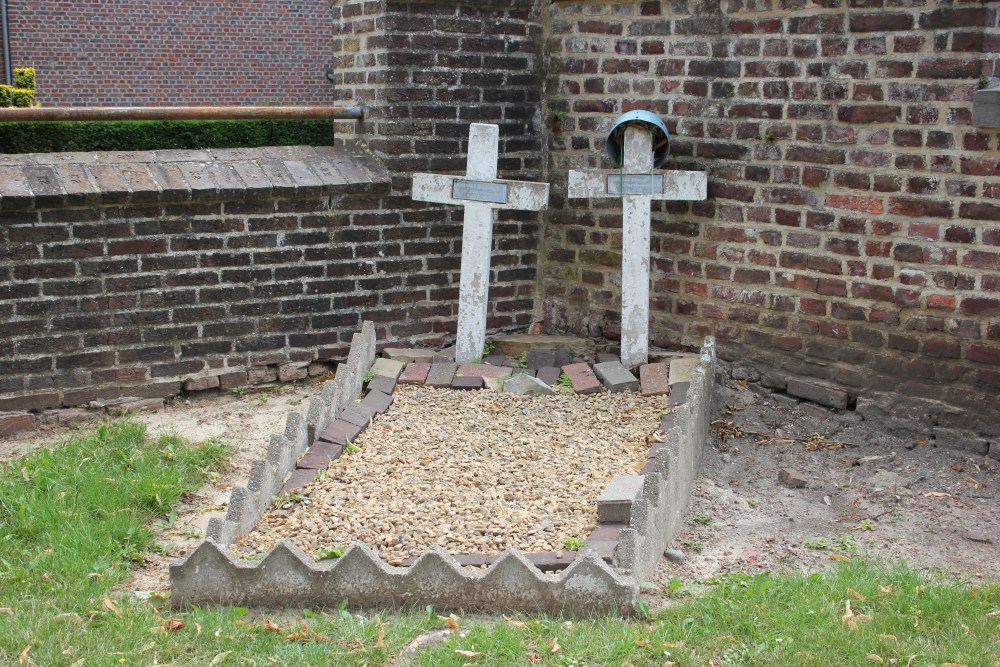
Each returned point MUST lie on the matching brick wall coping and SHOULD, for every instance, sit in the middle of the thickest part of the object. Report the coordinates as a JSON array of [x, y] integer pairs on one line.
[[55, 180]]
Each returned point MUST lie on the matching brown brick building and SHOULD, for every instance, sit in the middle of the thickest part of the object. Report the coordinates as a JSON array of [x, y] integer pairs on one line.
[[852, 230]]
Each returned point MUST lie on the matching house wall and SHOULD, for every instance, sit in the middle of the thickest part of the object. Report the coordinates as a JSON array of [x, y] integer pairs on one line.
[[163, 53], [852, 229]]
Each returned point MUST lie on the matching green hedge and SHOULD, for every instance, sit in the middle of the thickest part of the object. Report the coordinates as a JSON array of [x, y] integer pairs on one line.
[[157, 135]]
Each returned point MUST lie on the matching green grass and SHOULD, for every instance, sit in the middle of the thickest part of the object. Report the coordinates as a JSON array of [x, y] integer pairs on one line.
[[74, 519]]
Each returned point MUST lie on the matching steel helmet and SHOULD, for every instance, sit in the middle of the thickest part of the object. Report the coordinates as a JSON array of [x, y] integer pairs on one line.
[[661, 138]]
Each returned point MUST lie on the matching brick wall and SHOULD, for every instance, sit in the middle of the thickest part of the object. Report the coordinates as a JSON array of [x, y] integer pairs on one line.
[[852, 230], [130, 275], [162, 52], [424, 71]]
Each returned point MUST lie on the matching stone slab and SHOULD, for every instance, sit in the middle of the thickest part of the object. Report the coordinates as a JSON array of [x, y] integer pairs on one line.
[[415, 373], [299, 478], [564, 357], [467, 382], [383, 383], [604, 540], [17, 422], [678, 393], [340, 432], [387, 367], [616, 377], [793, 479], [494, 359], [582, 378], [515, 345], [818, 392], [549, 375], [654, 379], [526, 385], [408, 355], [359, 414], [540, 359], [377, 401], [318, 456], [484, 371], [603, 357], [441, 374], [682, 369], [614, 505], [448, 352], [202, 383]]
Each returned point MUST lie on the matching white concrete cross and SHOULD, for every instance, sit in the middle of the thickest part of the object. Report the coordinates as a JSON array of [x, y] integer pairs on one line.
[[637, 185], [482, 194]]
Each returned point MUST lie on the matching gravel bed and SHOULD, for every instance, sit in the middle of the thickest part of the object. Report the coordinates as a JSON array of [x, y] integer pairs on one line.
[[472, 472]]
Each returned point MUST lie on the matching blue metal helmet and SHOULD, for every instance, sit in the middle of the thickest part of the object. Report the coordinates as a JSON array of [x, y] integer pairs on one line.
[[661, 138]]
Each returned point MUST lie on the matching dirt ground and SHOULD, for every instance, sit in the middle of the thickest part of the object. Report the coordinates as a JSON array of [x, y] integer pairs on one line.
[[867, 492]]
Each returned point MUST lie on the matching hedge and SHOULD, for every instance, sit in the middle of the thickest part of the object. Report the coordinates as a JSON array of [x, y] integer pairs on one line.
[[157, 135]]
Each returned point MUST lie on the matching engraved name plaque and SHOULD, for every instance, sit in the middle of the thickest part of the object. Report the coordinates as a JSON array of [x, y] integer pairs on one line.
[[494, 193], [635, 184]]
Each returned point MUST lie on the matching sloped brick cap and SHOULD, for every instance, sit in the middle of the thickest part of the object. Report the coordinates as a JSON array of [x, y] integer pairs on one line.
[[52, 180]]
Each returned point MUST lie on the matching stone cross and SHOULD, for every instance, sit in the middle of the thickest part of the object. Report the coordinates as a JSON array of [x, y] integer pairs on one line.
[[482, 194], [637, 185]]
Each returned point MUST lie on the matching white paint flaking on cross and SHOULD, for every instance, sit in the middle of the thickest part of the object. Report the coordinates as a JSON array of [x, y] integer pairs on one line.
[[482, 194], [641, 185]]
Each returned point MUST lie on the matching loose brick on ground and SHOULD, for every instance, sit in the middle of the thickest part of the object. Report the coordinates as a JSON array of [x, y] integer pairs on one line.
[[387, 367], [549, 375], [441, 374], [340, 432], [582, 378], [467, 382], [654, 379], [382, 383], [415, 373], [817, 392], [377, 401], [616, 377]]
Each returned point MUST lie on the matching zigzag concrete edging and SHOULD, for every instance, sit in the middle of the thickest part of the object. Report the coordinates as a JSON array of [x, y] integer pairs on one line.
[[287, 577], [247, 504], [666, 490]]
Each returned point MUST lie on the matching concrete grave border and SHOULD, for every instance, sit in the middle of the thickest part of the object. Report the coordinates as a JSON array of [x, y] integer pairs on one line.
[[288, 577]]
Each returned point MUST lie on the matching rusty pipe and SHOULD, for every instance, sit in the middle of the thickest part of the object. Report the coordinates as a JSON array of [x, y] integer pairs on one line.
[[51, 114]]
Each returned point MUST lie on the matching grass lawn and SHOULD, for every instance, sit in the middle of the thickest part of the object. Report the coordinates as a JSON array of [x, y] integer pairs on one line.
[[74, 519]]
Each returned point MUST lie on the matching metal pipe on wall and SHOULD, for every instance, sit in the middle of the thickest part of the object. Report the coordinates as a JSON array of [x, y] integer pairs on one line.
[[8, 69], [44, 114]]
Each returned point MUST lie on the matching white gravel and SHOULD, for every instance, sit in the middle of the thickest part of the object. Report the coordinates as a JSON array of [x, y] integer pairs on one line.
[[472, 472]]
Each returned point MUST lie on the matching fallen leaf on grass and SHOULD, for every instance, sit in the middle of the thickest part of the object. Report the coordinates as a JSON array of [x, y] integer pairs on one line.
[[953, 664], [554, 647], [23, 657], [270, 626], [467, 654], [173, 624], [6, 611], [874, 657], [381, 633], [515, 623], [885, 589], [840, 557], [112, 607], [219, 658], [854, 593], [450, 621], [891, 638], [24, 474]]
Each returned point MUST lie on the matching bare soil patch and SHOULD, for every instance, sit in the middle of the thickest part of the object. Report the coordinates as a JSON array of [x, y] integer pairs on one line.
[[867, 493], [470, 472]]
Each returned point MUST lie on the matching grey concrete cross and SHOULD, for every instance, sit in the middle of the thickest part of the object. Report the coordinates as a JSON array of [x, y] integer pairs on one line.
[[482, 194], [637, 185]]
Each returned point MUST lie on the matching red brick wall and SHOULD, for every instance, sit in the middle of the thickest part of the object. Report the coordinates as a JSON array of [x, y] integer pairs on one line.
[[424, 71], [163, 52], [852, 230]]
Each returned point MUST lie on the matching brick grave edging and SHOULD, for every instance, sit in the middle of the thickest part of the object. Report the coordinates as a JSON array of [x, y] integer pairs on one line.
[[288, 577], [247, 504]]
